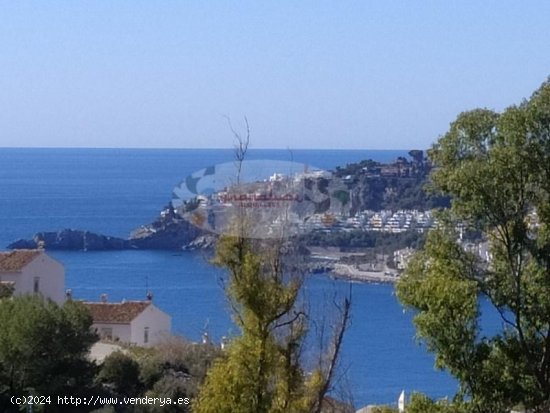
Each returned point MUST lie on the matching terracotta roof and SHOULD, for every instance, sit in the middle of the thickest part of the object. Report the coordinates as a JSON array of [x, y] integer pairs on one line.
[[15, 261], [116, 313]]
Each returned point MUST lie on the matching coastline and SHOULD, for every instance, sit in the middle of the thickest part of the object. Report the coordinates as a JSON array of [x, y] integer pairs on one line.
[[351, 272], [332, 257]]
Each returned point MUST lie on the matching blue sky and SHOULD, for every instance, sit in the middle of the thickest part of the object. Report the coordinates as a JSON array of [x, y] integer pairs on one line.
[[307, 74]]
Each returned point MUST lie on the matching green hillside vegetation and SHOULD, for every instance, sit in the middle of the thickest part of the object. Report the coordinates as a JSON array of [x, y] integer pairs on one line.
[[403, 184]]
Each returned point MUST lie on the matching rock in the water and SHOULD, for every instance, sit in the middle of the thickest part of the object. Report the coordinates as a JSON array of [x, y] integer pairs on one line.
[[23, 244], [71, 239]]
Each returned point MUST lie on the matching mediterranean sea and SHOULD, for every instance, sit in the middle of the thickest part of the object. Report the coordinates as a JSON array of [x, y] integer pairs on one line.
[[113, 191]]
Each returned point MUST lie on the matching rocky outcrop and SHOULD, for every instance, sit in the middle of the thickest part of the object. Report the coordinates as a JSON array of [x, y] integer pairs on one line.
[[71, 239], [165, 234], [201, 242]]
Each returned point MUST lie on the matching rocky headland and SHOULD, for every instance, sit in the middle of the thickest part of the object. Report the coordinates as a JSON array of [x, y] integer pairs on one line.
[[370, 185], [165, 233]]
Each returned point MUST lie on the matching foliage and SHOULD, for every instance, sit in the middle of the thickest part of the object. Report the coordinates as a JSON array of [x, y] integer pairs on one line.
[[496, 168], [43, 348], [378, 192], [393, 193], [261, 371], [169, 386], [384, 409], [422, 404], [120, 372], [175, 365], [6, 290], [171, 369]]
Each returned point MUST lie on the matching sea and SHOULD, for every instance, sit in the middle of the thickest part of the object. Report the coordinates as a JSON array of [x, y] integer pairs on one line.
[[113, 191]]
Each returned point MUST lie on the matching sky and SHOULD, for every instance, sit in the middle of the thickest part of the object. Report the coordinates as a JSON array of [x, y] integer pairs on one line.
[[306, 74]]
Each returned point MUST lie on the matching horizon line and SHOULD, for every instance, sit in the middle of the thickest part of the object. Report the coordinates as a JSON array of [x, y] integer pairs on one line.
[[205, 148]]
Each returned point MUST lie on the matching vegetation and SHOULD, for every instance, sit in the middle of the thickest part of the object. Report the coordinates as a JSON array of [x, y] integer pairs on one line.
[[496, 168], [262, 370], [121, 373], [420, 403], [379, 242], [44, 352], [403, 187], [43, 349], [171, 369], [6, 290]]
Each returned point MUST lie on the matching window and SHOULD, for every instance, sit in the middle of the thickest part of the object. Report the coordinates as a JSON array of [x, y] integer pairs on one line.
[[36, 285], [146, 335], [107, 332]]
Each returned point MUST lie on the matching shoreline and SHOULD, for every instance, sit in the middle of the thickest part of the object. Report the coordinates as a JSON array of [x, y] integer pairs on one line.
[[332, 256], [350, 272]]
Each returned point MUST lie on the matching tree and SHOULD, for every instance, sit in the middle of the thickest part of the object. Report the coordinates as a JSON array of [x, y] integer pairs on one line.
[[173, 369], [261, 372], [44, 348], [496, 168], [120, 373]]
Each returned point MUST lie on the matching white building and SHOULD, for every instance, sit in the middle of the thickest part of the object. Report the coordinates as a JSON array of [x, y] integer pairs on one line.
[[33, 272], [134, 322], [403, 257]]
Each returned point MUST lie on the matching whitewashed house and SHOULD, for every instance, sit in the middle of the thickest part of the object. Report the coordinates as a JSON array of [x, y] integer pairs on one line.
[[133, 322], [33, 272]]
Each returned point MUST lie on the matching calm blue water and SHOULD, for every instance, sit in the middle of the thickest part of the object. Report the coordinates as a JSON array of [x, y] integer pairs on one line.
[[114, 191]]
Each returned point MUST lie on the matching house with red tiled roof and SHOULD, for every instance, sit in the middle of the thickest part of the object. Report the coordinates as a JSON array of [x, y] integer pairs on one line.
[[133, 322], [32, 272]]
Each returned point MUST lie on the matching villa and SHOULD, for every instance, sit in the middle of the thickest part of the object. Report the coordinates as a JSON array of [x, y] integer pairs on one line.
[[33, 272], [132, 322]]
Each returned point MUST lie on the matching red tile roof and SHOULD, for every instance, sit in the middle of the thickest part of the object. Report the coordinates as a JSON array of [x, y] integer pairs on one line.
[[15, 261], [116, 313]]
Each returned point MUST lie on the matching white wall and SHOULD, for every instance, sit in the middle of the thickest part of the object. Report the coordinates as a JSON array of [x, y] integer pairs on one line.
[[120, 331], [9, 276], [159, 323], [51, 276]]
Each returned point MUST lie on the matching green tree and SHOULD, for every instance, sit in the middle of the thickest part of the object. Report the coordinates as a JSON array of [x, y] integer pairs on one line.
[[261, 372], [121, 373], [44, 348], [496, 168]]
